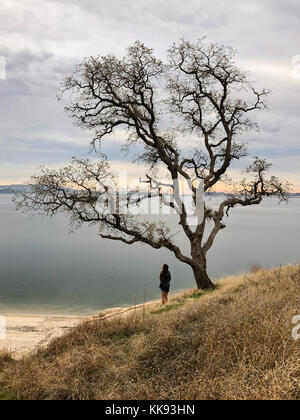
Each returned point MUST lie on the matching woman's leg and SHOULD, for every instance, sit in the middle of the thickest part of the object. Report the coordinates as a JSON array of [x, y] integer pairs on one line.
[[164, 298]]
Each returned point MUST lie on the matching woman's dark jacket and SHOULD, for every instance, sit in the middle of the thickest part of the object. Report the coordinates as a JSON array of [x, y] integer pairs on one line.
[[165, 278]]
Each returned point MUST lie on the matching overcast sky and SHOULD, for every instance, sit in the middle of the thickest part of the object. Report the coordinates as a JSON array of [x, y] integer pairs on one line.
[[42, 40]]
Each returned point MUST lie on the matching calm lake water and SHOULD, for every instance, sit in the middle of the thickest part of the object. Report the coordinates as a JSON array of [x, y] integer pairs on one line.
[[44, 269]]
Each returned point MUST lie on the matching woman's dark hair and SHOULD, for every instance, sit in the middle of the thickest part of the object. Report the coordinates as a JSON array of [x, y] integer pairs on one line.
[[165, 267]]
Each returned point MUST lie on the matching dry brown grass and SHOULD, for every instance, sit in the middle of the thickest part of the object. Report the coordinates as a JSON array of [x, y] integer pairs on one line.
[[233, 343], [5, 357]]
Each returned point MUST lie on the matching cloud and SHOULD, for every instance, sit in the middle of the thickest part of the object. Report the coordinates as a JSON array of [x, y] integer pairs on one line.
[[42, 40], [33, 73]]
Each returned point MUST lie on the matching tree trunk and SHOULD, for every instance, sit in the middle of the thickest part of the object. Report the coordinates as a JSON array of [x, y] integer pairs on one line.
[[202, 278], [199, 266]]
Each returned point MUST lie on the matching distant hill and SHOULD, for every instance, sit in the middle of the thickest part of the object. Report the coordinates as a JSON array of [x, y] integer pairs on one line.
[[18, 188], [12, 189]]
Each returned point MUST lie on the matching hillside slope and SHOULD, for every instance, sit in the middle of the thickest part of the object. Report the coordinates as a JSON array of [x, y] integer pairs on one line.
[[233, 343]]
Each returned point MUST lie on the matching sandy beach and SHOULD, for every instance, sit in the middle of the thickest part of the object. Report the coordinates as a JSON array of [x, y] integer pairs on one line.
[[24, 333]]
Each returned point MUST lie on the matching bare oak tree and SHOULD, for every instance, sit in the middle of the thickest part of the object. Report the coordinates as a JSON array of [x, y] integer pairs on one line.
[[209, 100]]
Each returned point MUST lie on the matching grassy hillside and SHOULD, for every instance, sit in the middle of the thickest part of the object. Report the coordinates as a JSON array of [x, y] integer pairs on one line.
[[232, 343]]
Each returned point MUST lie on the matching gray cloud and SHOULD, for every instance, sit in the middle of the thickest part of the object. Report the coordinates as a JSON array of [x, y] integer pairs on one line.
[[42, 40], [33, 73]]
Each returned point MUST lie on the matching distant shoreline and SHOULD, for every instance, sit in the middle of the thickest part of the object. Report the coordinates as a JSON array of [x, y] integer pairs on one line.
[[18, 189], [36, 315]]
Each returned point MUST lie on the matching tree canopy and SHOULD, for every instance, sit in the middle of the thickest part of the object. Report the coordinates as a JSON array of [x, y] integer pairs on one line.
[[199, 96]]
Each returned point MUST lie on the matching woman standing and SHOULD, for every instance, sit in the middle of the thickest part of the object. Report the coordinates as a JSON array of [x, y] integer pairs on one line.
[[165, 278]]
